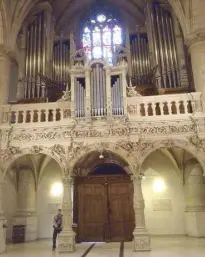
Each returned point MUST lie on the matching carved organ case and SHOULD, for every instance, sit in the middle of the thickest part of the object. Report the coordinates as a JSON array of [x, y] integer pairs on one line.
[[98, 89]]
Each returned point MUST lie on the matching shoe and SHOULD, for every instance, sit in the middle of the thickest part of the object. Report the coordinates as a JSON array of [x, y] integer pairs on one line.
[[53, 249]]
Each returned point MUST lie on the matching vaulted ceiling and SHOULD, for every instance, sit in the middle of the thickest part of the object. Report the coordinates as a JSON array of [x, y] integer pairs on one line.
[[65, 11]]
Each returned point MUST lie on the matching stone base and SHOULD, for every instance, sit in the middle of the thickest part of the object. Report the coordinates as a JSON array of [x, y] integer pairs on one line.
[[141, 241], [2, 237], [30, 223], [66, 242], [195, 223]]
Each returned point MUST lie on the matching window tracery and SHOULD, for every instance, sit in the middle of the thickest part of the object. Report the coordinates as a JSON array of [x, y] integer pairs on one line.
[[101, 35]]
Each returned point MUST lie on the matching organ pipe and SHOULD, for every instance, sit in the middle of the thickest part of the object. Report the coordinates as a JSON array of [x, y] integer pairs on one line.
[[35, 56], [116, 95], [140, 59], [161, 34], [79, 93], [98, 90], [61, 52]]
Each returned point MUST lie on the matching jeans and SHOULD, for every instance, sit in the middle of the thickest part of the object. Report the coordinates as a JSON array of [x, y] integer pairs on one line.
[[56, 231]]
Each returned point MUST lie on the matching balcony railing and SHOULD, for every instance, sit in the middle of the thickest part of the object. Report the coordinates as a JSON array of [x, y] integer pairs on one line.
[[164, 106], [22, 114], [148, 108]]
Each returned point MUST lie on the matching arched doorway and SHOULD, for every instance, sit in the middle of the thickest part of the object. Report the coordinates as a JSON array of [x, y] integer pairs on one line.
[[103, 201]]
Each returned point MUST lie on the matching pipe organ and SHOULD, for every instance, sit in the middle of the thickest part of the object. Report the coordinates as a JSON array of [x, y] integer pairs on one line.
[[161, 36], [35, 56], [61, 62], [98, 90], [140, 59]]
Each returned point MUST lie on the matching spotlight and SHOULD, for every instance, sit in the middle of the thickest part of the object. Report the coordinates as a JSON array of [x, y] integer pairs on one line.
[[159, 186], [57, 189], [101, 156]]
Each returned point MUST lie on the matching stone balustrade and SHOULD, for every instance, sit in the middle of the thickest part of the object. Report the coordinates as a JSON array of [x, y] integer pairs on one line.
[[22, 114], [148, 108], [164, 106]]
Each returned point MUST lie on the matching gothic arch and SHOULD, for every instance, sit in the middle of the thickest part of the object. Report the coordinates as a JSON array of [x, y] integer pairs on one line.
[[179, 12], [3, 24], [27, 7], [155, 145], [13, 153], [114, 148]]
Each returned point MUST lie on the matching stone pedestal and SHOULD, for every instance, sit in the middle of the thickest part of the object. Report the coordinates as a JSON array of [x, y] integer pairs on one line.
[[67, 236], [195, 200], [141, 235]]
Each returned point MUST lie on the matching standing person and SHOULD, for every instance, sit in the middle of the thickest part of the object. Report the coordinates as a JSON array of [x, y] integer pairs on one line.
[[57, 227]]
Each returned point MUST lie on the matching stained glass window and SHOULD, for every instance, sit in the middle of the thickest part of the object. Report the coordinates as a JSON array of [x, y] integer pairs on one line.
[[100, 37]]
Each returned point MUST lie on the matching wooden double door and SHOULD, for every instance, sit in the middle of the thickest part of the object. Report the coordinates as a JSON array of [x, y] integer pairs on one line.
[[104, 208]]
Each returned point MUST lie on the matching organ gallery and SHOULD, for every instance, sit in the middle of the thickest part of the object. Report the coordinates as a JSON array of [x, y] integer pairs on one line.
[[98, 64], [102, 119]]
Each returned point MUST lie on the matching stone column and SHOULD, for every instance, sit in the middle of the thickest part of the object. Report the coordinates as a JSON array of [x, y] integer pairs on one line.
[[141, 235], [67, 236], [180, 53], [5, 70], [21, 76], [197, 52], [26, 206], [2, 223], [195, 200]]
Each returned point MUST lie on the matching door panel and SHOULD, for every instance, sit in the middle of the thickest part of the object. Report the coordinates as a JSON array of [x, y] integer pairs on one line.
[[121, 214], [91, 212], [105, 209]]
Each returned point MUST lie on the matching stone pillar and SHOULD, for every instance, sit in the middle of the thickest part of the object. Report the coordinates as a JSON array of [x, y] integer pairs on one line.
[[2, 224], [26, 206], [141, 235], [21, 76], [195, 200], [67, 236], [197, 52], [5, 70], [180, 53]]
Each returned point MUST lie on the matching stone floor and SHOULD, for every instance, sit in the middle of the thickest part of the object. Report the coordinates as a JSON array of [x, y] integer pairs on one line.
[[161, 247]]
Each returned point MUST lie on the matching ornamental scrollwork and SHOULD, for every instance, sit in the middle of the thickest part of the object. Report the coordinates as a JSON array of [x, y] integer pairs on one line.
[[9, 152]]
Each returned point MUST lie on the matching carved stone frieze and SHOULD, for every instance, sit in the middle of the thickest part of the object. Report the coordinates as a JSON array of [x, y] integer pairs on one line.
[[136, 147], [65, 133]]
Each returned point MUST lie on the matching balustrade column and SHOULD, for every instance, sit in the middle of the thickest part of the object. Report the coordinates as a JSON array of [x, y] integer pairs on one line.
[[67, 236], [197, 52], [195, 201], [141, 235]]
